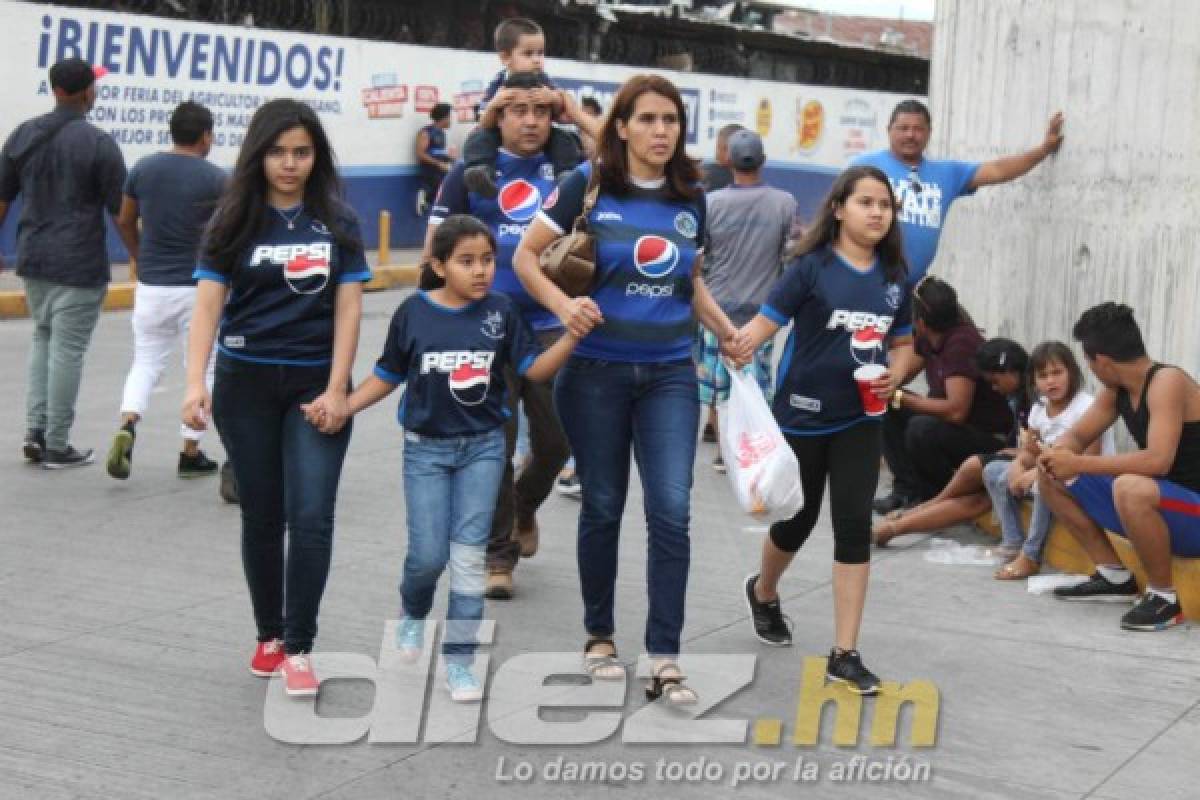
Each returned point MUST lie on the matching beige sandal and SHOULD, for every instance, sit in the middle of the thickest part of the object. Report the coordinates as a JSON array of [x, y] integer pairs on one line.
[[600, 665], [1018, 569]]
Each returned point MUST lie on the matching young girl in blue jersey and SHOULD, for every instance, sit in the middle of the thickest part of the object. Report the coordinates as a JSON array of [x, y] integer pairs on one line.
[[281, 273], [449, 344], [631, 386], [845, 294]]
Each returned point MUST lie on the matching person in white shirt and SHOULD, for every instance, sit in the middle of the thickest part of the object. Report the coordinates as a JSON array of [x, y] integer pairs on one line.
[[1057, 382]]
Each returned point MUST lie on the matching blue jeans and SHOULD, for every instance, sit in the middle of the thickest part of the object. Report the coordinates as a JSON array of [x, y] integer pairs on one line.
[[607, 408], [450, 488], [1008, 509], [287, 477]]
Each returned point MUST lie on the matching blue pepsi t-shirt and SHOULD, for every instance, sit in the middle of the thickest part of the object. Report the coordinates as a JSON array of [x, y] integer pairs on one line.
[[523, 184], [282, 291], [841, 317], [646, 246], [923, 207], [452, 361]]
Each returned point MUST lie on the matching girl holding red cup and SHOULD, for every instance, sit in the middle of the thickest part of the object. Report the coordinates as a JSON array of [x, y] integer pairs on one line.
[[846, 296]]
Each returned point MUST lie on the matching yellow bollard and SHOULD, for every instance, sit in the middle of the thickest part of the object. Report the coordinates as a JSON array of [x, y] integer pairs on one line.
[[385, 237]]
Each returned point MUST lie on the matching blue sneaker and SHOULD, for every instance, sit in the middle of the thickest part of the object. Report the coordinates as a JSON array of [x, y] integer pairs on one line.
[[410, 638], [462, 684]]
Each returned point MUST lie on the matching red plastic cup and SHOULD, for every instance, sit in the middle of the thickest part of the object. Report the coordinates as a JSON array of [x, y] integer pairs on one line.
[[864, 376]]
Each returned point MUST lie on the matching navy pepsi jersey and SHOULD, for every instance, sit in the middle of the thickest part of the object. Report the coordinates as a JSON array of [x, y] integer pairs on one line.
[[523, 184], [646, 247], [282, 293], [841, 318], [452, 361]]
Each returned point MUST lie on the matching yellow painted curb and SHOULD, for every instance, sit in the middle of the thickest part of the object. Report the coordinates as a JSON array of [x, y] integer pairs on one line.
[[120, 295]]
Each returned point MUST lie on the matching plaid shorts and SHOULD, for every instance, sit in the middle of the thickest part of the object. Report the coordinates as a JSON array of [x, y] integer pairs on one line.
[[712, 376]]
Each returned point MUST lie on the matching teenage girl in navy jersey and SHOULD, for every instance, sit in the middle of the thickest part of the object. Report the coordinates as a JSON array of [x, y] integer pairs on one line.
[[631, 385], [450, 345], [845, 294], [282, 271]]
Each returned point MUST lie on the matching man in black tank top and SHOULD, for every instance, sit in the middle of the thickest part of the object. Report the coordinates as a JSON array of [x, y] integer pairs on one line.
[[1151, 496]]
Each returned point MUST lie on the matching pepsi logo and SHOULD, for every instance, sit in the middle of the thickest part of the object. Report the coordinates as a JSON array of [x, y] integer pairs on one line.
[[519, 200], [469, 384], [866, 346], [654, 256], [306, 274]]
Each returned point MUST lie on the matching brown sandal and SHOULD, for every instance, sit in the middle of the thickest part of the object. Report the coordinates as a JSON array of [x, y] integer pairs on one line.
[[1018, 569]]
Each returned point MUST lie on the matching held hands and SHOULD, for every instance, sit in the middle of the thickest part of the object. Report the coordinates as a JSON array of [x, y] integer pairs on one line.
[[737, 346], [579, 315], [328, 412], [1054, 134], [197, 407], [1059, 463]]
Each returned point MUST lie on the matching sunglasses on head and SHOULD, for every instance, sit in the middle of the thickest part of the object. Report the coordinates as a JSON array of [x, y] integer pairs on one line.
[[914, 180]]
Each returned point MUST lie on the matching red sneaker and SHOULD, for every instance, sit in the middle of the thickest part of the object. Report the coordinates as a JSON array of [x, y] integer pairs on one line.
[[299, 680], [267, 658]]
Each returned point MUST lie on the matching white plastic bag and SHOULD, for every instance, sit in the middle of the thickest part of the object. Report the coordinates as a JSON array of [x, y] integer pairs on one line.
[[760, 464]]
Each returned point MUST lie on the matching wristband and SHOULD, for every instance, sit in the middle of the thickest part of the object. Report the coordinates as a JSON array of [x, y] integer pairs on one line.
[[898, 399]]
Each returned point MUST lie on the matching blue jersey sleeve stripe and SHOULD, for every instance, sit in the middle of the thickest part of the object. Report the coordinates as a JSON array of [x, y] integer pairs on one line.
[[355, 277], [209, 275], [773, 315], [525, 364], [388, 376], [902, 331]]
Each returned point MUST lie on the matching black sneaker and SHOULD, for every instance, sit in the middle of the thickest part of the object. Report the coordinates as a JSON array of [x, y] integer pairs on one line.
[[719, 464], [120, 454], [1152, 613], [1099, 589], [568, 486], [847, 667], [66, 459], [892, 502], [710, 433], [197, 466], [481, 180], [770, 626], [228, 488], [35, 445]]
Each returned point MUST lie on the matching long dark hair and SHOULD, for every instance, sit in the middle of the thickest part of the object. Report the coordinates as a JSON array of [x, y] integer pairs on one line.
[[612, 161], [242, 211], [1045, 354], [824, 230], [445, 238], [935, 303]]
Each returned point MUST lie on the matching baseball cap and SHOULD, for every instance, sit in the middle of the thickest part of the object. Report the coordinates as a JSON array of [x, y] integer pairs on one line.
[[746, 150], [73, 75]]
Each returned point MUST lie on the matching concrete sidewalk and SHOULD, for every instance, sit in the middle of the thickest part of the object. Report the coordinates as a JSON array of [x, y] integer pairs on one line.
[[126, 632]]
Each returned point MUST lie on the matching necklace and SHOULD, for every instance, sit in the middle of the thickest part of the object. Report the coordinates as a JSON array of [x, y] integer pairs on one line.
[[291, 221]]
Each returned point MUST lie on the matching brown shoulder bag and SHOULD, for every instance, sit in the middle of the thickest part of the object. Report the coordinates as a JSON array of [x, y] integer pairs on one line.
[[570, 260]]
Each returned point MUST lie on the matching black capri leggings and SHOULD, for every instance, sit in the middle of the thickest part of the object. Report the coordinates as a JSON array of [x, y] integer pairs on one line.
[[850, 459]]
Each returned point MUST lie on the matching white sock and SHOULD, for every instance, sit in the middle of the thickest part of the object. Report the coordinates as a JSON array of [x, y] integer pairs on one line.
[[1117, 575], [1166, 594]]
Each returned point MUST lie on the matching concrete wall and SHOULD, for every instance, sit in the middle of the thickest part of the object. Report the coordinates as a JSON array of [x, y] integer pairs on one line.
[[1116, 214]]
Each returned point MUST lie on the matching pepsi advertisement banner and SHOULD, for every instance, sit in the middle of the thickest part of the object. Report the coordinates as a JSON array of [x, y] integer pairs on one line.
[[374, 97]]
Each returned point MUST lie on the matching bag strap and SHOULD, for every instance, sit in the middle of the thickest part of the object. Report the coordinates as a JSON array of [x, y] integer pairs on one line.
[[589, 202], [47, 137]]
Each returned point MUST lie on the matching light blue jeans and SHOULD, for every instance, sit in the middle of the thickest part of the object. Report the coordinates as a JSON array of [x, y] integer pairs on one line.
[[450, 487], [1008, 509]]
